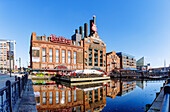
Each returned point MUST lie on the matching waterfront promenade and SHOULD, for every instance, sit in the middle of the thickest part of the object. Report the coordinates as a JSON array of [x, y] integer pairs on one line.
[[19, 95], [161, 102]]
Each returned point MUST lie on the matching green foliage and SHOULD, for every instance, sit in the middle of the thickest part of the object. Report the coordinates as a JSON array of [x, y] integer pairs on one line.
[[40, 75]]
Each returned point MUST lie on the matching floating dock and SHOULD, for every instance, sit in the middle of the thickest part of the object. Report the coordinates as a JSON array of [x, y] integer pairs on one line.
[[81, 79]]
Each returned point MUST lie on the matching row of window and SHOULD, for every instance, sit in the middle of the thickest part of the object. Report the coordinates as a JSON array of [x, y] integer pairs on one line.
[[57, 56], [62, 101]]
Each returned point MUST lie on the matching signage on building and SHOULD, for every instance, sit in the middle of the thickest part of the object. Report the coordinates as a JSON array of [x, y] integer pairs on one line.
[[63, 67], [79, 57], [60, 39], [12, 55], [96, 47], [94, 28], [35, 54], [15, 67], [96, 41]]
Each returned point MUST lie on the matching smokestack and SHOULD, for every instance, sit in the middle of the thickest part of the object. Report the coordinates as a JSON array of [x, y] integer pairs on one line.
[[76, 31], [91, 31], [94, 18], [85, 30], [81, 31]]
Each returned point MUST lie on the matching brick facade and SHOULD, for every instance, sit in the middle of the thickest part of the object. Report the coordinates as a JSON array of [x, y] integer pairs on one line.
[[39, 42], [112, 61]]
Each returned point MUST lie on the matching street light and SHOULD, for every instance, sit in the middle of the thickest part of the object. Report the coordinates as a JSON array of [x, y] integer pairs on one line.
[[9, 57]]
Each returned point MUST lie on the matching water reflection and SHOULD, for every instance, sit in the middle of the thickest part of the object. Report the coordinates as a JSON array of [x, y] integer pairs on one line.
[[54, 96]]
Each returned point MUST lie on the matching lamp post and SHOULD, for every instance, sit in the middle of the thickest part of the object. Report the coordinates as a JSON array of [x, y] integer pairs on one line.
[[9, 57]]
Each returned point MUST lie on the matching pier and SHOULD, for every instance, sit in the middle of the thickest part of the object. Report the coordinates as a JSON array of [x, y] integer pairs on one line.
[[82, 78], [141, 75]]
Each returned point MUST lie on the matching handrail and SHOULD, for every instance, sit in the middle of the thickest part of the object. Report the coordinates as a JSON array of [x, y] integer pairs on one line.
[[165, 104], [11, 93], [4, 88]]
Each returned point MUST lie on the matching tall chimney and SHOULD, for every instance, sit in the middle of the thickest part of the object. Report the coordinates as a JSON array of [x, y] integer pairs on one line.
[[91, 31], [76, 31], [85, 30], [81, 31], [94, 18]]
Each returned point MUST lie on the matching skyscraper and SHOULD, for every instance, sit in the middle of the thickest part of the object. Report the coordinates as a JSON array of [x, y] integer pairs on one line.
[[4, 55]]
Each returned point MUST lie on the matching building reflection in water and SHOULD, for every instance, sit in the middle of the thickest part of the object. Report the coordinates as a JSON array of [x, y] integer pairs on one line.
[[119, 88], [126, 87], [113, 88], [54, 97], [57, 97]]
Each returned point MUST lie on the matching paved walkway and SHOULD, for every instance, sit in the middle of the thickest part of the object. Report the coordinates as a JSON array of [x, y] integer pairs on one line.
[[156, 106], [27, 102]]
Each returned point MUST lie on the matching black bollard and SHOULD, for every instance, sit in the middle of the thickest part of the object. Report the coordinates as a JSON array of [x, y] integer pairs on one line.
[[8, 94]]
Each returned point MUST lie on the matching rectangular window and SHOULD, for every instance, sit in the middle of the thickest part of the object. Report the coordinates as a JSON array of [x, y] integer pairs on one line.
[[51, 98], [38, 38], [50, 55], [57, 56], [43, 38], [96, 95], [69, 96], [37, 100], [43, 55], [75, 58], [44, 97], [69, 56], [63, 97], [75, 95], [57, 97], [63, 56]]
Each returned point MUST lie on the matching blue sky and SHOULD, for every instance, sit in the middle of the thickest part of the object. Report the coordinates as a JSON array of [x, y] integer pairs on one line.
[[137, 27]]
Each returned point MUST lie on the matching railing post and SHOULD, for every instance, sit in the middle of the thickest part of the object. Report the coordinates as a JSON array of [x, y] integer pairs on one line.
[[19, 86], [8, 95], [15, 78]]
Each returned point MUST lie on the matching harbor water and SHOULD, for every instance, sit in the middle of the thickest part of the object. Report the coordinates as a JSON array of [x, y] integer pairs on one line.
[[115, 95]]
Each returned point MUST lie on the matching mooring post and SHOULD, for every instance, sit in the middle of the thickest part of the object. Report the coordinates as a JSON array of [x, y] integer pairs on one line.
[[19, 86], [8, 95]]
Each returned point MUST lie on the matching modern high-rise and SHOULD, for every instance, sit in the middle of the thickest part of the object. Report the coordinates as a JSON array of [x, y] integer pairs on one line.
[[4, 55], [126, 60]]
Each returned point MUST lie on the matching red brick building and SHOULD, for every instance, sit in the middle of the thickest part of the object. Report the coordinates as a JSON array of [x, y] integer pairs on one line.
[[55, 53], [94, 48], [113, 61]]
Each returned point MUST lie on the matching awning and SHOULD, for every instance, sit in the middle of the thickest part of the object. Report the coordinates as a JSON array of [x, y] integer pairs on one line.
[[129, 69]]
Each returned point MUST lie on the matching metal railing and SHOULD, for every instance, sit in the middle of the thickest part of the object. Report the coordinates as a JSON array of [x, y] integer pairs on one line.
[[11, 93], [165, 104], [166, 99]]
